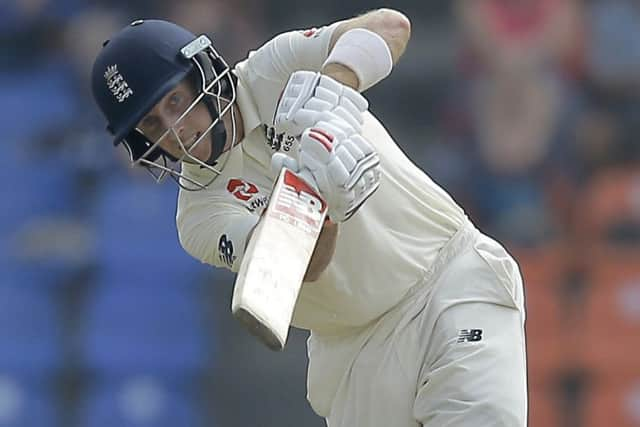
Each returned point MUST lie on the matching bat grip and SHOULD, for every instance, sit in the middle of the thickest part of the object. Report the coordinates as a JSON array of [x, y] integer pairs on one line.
[[305, 174]]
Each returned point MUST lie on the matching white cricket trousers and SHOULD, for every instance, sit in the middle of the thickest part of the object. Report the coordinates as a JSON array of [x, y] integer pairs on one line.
[[451, 354]]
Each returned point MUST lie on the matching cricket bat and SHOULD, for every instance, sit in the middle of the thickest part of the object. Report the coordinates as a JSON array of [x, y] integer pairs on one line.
[[276, 259]]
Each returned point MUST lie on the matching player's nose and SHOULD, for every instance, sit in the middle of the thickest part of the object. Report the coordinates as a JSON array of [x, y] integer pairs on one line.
[[176, 129]]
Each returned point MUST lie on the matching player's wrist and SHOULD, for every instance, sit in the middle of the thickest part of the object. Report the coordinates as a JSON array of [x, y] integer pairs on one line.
[[328, 223], [365, 53], [341, 73]]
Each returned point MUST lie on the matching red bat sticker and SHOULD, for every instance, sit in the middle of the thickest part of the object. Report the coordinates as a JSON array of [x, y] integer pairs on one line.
[[298, 202]]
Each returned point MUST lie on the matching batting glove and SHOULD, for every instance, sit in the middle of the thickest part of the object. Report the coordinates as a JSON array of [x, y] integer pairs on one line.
[[346, 172], [308, 97]]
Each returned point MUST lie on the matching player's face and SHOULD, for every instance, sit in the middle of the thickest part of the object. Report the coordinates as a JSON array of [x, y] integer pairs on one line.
[[165, 114]]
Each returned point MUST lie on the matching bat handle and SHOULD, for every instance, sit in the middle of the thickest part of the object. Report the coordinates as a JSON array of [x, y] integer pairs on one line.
[[305, 174], [281, 160]]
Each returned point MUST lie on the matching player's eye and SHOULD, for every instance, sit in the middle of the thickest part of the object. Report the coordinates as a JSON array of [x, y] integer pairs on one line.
[[149, 124], [176, 99]]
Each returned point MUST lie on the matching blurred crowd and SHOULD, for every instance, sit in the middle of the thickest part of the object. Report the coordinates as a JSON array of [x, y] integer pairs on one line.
[[524, 110]]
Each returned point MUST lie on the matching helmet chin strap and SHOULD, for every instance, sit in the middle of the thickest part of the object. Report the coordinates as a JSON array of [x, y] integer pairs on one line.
[[218, 133], [210, 65]]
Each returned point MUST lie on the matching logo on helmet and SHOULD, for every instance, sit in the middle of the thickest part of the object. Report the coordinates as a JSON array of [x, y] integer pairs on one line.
[[117, 84]]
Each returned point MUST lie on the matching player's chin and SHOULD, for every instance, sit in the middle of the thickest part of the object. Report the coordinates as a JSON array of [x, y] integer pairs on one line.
[[201, 152]]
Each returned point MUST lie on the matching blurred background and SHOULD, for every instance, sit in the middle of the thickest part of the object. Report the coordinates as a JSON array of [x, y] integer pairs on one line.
[[525, 110]]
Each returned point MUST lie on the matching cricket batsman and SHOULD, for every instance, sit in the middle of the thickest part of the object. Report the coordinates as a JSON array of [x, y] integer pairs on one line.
[[416, 318]]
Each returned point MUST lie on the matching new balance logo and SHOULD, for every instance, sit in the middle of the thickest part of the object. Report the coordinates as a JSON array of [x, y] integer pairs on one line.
[[470, 335], [225, 250]]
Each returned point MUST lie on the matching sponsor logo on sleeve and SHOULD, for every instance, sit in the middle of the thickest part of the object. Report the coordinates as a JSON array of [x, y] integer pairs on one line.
[[225, 250], [311, 32]]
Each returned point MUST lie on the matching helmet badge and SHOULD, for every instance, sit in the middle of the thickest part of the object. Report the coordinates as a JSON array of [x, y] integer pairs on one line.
[[117, 84]]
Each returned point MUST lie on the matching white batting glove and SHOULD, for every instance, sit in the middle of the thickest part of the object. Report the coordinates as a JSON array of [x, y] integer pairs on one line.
[[308, 97], [346, 172]]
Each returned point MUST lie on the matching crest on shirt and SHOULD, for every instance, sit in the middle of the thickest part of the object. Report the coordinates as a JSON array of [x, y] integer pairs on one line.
[[247, 193], [117, 84]]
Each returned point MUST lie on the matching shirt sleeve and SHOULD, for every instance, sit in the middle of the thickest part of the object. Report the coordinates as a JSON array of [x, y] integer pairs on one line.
[[214, 230], [293, 51], [267, 69]]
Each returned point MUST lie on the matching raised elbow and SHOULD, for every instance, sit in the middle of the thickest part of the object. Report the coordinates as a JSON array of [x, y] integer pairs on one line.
[[395, 24], [395, 29]]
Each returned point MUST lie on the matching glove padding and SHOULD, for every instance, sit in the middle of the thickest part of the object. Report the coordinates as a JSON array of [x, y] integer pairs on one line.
[[346, 173], [308, 96]]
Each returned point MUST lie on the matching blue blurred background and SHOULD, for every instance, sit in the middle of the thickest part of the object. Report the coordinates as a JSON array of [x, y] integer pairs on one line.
[[525, 110]]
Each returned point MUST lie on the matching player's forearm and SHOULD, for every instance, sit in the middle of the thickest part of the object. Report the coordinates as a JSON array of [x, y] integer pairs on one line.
[[363, 50], [323, 252], [393, 26], [342, 74]]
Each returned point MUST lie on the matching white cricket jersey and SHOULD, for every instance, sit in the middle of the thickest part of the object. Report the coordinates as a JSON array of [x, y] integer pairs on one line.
[[381, 252]]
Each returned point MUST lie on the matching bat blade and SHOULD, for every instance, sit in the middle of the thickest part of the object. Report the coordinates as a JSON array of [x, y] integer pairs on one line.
[[276, 259]]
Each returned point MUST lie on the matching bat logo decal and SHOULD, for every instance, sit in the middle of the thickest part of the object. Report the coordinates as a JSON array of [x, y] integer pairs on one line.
[[299, 204]]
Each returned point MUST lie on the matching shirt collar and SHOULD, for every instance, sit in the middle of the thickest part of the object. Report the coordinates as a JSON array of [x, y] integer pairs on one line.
[[248, 109]]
